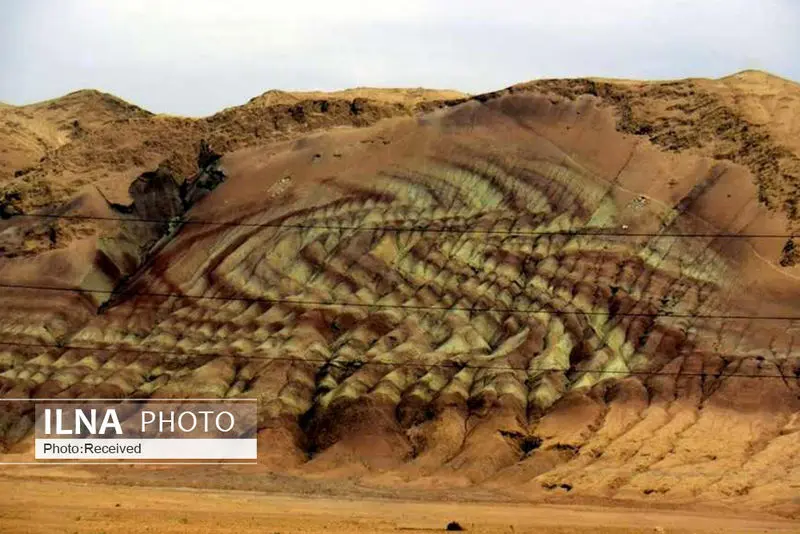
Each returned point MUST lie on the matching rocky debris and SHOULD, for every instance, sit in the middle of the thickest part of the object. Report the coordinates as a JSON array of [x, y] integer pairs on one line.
[[160, 200], [156, 196], [206, 180], [206, 156], [10, 204], [790, 255]]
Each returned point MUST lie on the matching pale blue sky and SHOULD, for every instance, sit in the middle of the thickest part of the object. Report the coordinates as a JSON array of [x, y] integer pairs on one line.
[[194, 57]]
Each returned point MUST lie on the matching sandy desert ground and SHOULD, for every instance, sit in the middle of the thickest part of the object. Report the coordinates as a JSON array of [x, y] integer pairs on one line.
[[36, 506]]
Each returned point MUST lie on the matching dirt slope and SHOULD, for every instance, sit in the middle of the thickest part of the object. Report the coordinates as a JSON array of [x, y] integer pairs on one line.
[[90, 146], [55, 150], [50, 149], [534, 292], [750, 118]]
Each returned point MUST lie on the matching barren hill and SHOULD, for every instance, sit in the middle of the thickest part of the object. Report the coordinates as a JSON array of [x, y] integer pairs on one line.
[[53, 148], [567, 288]]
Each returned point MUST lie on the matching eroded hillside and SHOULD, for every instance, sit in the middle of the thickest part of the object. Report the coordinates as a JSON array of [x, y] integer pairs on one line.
[[514, 292], [51, 150], [750, 118]]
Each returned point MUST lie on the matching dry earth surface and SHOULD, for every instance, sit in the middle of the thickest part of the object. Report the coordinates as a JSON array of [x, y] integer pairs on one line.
[[570, 291], [41, 507]]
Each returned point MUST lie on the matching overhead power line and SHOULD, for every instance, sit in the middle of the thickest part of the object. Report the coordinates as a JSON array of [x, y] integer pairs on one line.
[[360, 363], [472, 309], [599, 232]]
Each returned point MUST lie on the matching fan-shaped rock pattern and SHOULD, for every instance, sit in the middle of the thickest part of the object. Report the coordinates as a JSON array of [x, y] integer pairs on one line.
[[509, 293]]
